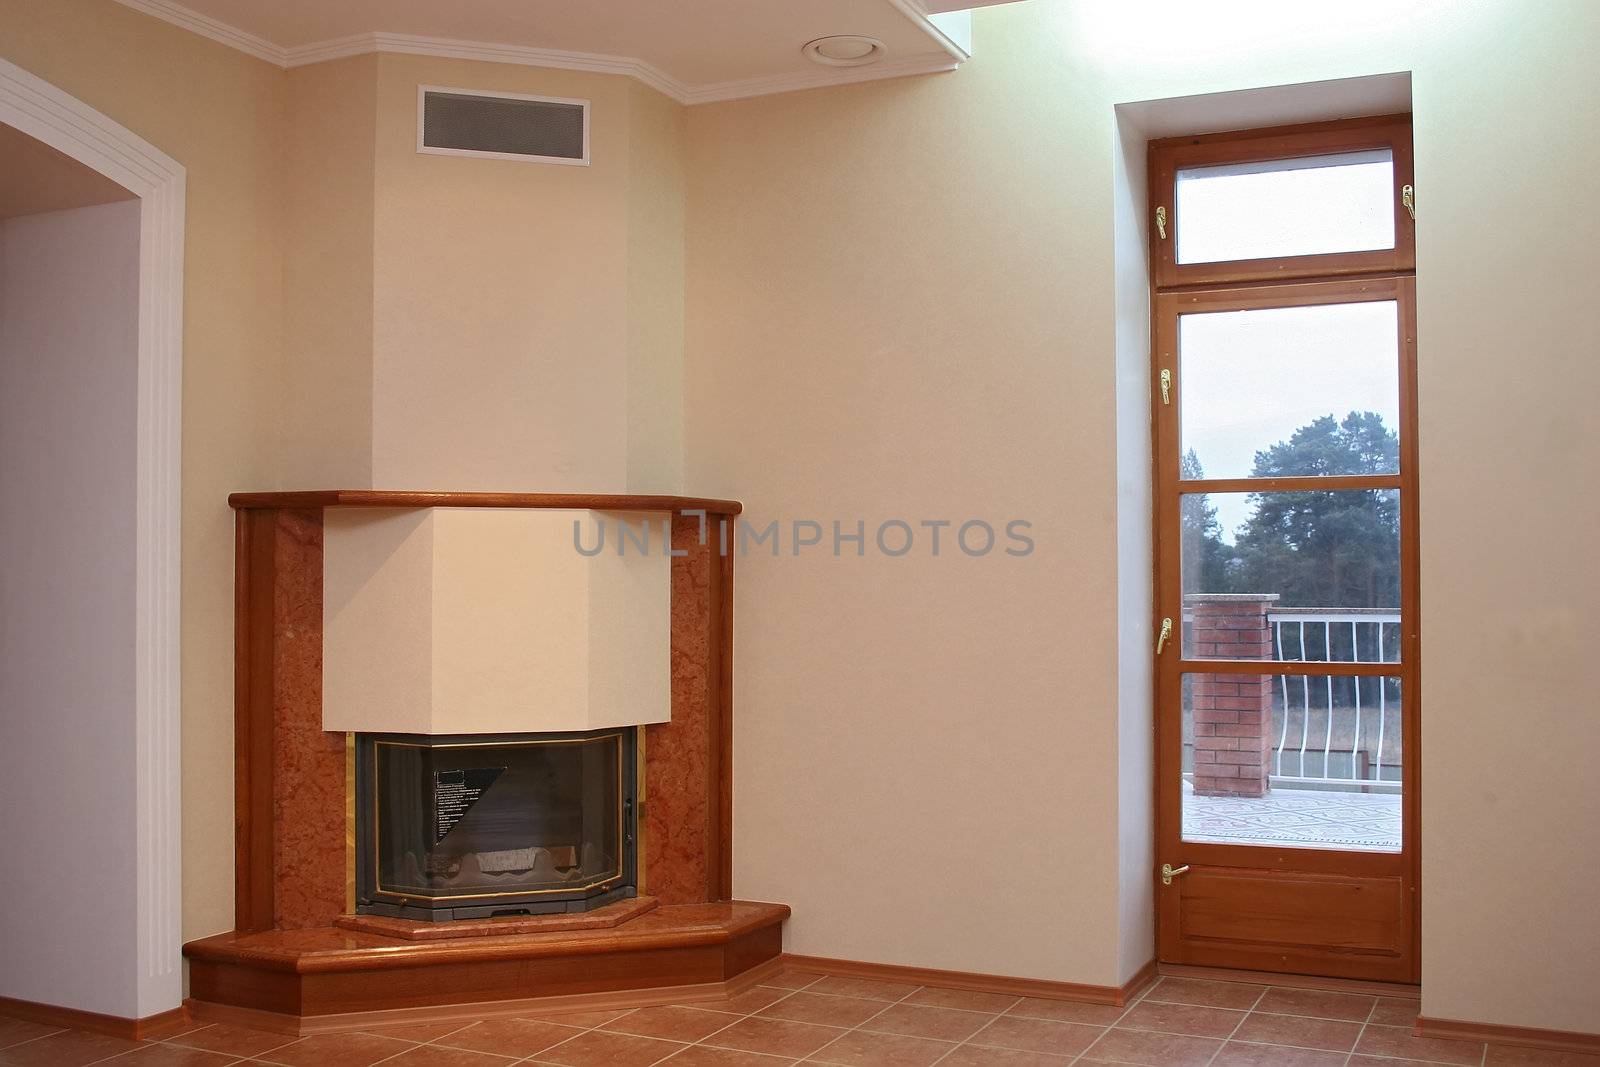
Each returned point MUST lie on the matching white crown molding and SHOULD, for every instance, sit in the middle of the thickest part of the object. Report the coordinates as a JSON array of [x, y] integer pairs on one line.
[[206, 26], [819, 79], [490, 52], [47, 114], [917, 12]]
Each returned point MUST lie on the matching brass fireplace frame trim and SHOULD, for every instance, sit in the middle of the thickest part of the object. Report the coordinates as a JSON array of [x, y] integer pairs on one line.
[[379, 891], [639, 733]]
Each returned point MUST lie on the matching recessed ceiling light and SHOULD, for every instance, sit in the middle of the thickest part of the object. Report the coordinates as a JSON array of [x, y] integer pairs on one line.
[[845, 50]]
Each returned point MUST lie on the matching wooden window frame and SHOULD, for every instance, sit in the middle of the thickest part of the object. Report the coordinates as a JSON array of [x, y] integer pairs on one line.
[[1172, 154]]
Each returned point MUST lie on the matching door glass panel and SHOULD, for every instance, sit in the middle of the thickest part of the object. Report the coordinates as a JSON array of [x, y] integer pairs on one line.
[[1296, 761], [1255, 566], [1286, 207], [1292, 391]]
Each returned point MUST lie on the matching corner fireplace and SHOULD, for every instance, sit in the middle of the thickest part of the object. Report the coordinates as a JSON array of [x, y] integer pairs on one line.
[[482, 825]]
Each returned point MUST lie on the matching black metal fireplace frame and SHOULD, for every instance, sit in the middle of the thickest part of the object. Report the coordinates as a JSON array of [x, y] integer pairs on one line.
[[371, 899]]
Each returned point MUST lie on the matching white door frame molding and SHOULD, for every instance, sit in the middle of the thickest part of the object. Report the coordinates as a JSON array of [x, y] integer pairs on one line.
[[66, 124]]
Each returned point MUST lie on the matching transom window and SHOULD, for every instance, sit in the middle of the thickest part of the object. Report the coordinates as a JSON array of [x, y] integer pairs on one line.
[[1302, 203]]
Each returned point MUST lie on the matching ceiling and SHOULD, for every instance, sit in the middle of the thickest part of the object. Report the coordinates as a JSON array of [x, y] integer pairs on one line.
[[35, 178], [695, 50]]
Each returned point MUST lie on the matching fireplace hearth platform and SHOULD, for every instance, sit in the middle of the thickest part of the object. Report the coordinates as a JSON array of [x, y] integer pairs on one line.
[[331, 978]]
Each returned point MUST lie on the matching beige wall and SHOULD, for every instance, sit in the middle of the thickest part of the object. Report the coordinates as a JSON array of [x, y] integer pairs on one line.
[[902, 302], [330, 130], [500, 350], [656, 147], [462, 323], [1506, 129], [217, 112], [882, 324]]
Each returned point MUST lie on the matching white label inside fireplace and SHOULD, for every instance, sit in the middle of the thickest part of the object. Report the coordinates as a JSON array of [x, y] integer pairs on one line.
[[454, 794]]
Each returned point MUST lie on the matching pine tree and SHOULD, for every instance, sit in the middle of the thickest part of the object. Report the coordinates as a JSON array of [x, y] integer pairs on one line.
[[1324, 548], [1205, 557]]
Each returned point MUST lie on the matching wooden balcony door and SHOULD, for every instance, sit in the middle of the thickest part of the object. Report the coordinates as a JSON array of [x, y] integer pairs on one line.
[[1284, 352]]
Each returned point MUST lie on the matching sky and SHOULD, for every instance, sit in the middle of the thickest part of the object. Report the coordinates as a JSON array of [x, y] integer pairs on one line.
[[1249, 379]]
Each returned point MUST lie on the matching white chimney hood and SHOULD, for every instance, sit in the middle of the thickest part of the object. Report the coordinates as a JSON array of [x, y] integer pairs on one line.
[[489, 620]]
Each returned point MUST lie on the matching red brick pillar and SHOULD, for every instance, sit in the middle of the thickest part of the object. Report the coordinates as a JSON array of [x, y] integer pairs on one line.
[[1232, 712]]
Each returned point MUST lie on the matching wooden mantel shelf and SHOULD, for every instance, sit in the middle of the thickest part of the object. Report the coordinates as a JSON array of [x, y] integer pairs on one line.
[[399, 498]]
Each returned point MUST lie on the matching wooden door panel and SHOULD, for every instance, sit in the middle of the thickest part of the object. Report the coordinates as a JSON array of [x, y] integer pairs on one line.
[[1337, 925]]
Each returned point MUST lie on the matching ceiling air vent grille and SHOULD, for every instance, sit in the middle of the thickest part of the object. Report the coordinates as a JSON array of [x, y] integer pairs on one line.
[[540, 129]]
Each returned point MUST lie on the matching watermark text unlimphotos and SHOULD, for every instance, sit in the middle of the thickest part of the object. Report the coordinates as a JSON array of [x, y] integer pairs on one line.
[[734, 534]]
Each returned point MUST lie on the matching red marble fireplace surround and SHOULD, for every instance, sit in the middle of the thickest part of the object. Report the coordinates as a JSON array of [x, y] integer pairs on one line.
[[297, 960]]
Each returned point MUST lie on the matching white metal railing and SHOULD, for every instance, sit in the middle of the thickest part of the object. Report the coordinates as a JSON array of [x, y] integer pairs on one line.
[[1360, 740]]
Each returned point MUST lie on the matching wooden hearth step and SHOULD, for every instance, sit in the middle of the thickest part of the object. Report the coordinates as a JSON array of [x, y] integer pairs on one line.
[[335, 978], [418, 930]]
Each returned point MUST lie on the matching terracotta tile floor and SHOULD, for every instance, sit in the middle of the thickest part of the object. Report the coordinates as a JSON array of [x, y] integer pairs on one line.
[[796, 1017]]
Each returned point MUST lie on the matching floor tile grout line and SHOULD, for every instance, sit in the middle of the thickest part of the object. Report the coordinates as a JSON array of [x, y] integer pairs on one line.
[[947, 1007], [993, 1015], [967, 1041], [1403, 1059], [1133, 1002], [1369, 1055], [1242, 1020], [600, 1030], [622, 1013], [404, 1051], [1351, 1055], [36, 1037], [1258, 1011], [144, 1042], [69, 1031], [847, 1030], [740, 1017], [1126, 1011], [906, 999]]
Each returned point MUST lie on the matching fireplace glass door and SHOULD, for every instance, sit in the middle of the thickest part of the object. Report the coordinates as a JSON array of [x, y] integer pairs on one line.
[[473, 826]]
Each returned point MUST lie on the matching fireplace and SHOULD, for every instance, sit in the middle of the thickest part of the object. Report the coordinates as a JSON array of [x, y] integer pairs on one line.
[[479, 825]]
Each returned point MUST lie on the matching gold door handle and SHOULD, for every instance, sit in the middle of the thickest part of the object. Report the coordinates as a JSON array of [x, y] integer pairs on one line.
[[1166, 632], [1166, 386], [1169, 872]]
